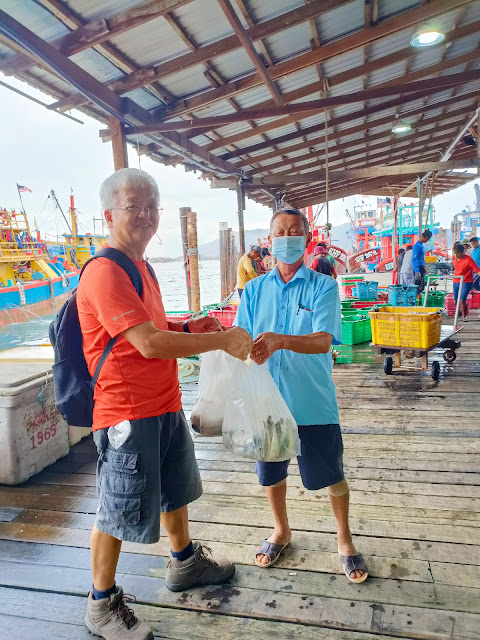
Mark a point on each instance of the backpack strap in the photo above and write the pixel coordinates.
(132, 271)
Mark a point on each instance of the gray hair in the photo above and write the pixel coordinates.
(293, 212)
(121, 179)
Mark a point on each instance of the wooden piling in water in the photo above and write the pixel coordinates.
(183, 227)
(224, 260)
(192, 251)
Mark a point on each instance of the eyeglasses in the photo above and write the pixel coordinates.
(136, 209)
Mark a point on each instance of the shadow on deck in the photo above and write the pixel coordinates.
(412, 456)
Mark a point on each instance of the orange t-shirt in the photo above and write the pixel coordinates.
(129, 386)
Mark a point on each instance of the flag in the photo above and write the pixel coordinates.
(22, 189)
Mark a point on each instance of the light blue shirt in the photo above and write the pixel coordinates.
(418, 256)
(476, 256)
(307, 304)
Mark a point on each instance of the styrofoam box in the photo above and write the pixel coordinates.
(33, 434)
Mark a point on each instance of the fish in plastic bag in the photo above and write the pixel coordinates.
(213, 384)
(258, 423)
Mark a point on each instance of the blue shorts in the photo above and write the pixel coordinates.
(153, 471)
(466, 288)
(320, 463)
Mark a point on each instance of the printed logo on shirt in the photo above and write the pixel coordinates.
(123, 314)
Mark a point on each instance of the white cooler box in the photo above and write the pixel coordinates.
(33, 434)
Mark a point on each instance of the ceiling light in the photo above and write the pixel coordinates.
(427, 38)
(402, 127)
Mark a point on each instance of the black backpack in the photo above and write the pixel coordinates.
(72, 382)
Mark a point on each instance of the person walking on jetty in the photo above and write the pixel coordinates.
(476, 258)
(418, 260)
(463, 266)
(147, 469)
(245, 269)
(407, 275)
(293, 314)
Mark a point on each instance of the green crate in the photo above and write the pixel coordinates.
(354, 329)
(346, 313)
(435, 298)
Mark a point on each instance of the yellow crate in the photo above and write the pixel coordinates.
(409, 327)
(430, 258)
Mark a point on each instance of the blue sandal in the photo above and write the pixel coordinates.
(354, 563)
(270, 549)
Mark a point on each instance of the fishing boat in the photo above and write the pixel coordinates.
(367, 217)
(36, 277)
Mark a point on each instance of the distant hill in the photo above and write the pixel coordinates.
(211, 250)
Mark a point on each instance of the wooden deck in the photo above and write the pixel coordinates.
(412, 454)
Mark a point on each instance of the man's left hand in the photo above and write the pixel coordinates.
(264, 345)
(204, 325)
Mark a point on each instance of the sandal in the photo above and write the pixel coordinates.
(354, 563)
(270, 549)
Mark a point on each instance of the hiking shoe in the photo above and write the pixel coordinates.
(110, 618)
(199, 569)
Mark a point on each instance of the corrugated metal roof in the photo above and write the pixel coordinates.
(203, 21)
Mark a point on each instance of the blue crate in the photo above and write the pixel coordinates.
(402, 295)
(366, 290)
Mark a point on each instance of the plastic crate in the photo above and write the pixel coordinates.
(409, 327)
(225, 315)
(178, 316)
(402, 295)
(346, 304)
(435, 298)
(366, 304)
(366, 290)
(475, 300)
(356, 329)
(451, 305)
(349, 283)
(346, 313)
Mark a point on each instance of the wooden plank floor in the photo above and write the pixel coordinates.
(412, 456)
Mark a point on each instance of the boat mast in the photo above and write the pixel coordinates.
(73, 218)
(54, 196)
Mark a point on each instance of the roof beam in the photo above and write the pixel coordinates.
(416, 88)
(370, 172)
(247, 44)
(97, 31)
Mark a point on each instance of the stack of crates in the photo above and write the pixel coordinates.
(400, 295)
(348, 284)
(366, 290)
(475, 300)
(408, 327)
(451, 305)
(226, 314)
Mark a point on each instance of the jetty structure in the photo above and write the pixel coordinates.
(286, 102)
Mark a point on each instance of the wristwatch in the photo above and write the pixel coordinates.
(185, 328)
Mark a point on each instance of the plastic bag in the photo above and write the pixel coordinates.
(258, 424)
(216, 372)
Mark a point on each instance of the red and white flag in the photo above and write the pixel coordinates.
(22, 189)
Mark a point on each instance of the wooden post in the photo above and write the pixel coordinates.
(224, 260)
(233, 257)
(192, 249)
(119, 144)
(183, 227)
(241, 209)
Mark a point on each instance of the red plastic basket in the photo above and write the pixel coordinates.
(364, 304)
(475, 300)
(180, 317)
(226, 315)
(450, 304)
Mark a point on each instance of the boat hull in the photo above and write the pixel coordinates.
(40, 298)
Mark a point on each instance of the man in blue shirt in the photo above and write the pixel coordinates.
(293, 313)
(418, 260)
(476, 258)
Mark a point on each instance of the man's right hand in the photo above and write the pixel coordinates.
(238, 343)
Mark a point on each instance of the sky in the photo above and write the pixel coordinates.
(43, 150)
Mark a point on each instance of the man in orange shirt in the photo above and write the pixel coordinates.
(147, 469)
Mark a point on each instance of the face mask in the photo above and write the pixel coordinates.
(288, 249)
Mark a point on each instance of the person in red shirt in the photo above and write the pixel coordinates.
(147, 469)
(464, 266)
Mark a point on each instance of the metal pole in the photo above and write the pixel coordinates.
(457, 308)
(224, 260)
(241, 209)
(326, 165)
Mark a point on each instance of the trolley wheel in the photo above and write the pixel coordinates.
(435, 370)
(388, 365)
(450, 355)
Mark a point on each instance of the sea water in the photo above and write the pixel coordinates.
(171, 277)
